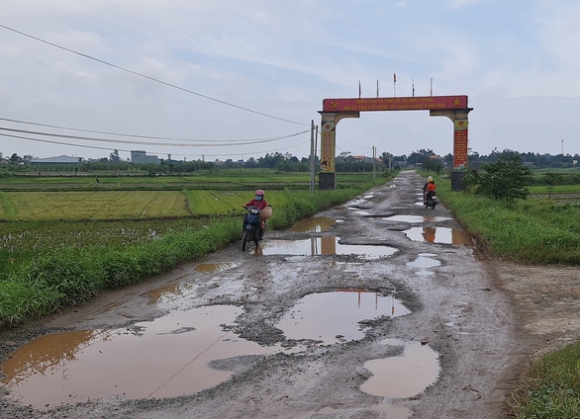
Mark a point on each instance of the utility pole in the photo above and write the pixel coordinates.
(312, 159)
(374, 164)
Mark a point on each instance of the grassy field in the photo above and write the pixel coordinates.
(61, 245)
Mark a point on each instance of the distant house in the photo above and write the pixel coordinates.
(56, 160)
(142, 157)
(355, 159)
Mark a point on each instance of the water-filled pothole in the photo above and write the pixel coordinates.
(314, 225)
(334, 317)
(440, 235)
(402, 376)
(163, 358)
(328, 245)
(171, 293)
(212, 268)
(425, 261)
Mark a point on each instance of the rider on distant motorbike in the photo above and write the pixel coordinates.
(261, 203)
(425, 186)
(429, 188)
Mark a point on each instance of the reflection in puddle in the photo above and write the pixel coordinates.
(416, 218)
(424, 262)
(440, 235)
(334, 316)
(163, 358)
(324, 246)
(313, 225)
(212, 268)
(402, 376)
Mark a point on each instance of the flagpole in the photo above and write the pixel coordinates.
(394, 85)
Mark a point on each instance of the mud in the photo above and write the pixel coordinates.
(414, 328)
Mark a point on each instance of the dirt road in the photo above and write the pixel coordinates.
(378, 309)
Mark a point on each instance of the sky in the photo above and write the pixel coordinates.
(230, 79)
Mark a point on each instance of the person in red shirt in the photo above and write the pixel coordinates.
(261, 203)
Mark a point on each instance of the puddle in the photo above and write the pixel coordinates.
(164, 358)
(212, 268)
(440, 235)
(171, 293)
(416, 219)
(402, 376)
(424, 262)
(314, 225)
(324, 246)
(334, 317)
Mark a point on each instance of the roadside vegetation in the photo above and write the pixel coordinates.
(61, 248)
(500, 209)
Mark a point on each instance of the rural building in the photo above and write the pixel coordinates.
(142, 157)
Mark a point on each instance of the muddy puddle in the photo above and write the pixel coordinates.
(314, 225)
(440, 235)
(328, 245)
(163, 358)
(402, 376)
(334, 317)
(424, 262)
(171, 293)
(212, 268)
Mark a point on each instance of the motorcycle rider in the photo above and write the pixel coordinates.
(425, 186)
(261, 203)
(430, 190)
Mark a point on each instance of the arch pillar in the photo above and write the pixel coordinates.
(459, 117)
(327, 174)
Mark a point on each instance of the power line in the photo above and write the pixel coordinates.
(129, 135)
(158, 152)
(149, 77)
(149, 143)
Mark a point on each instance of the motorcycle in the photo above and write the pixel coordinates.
(431, 200)
(252, 228)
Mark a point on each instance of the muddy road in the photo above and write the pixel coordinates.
(376, 309)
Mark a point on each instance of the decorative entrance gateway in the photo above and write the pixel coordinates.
(453, 107)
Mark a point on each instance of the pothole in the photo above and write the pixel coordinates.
(402, 376)
(212, 268)
(328, 245)
(171, 293)
(335, 317)
(314, 225)
(424, 261)
(440, 235)
(164, 358)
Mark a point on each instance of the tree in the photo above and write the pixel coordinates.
(114, 156)
(504, 180)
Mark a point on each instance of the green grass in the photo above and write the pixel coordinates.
(552, 387)
(532, 231)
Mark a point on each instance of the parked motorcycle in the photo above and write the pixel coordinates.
(431, 200)
(251, 227)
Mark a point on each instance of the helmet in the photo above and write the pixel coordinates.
(259, 192)
(430, 178)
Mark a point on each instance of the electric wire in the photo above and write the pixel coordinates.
(129, 135)
(231, 143)
(158, 152)
(149, 77)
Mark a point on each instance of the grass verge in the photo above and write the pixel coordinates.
(532, 231)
